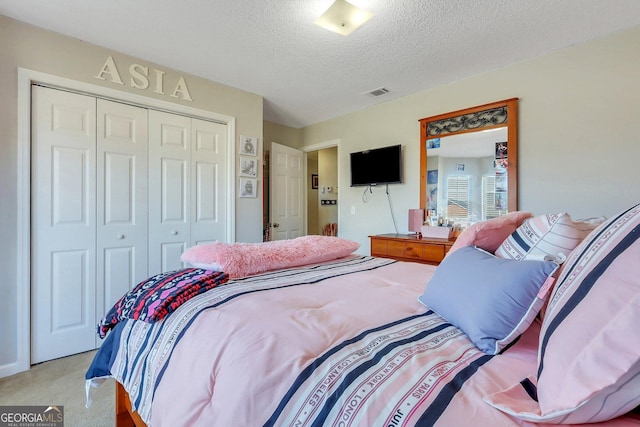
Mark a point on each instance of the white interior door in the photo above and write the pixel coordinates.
(63, 308)
(286, 192)
(169, 190)
(122, 139)
(208, 173)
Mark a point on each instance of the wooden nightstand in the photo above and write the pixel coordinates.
(408, 247)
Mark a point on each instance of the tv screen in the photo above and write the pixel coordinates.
(377, 166)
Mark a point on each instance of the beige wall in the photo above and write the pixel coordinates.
(285, 135)
(35, 49)
(579, 134)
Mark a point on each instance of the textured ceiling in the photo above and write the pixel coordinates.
(307, 74)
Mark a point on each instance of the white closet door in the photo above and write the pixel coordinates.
(208, 173)
(122, 139)
(63, 307)
(169, 190)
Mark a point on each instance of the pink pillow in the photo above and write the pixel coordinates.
(245, 259)
(490, 234)
(589, 352)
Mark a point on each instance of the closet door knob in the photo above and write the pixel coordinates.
(174, 232)
(120, 236)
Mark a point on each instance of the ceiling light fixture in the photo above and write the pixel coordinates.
(343, 18)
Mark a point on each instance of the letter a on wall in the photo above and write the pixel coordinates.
(110, 69)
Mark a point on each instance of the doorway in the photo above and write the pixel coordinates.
(322, 191)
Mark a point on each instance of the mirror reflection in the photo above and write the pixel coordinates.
(467, 176)
(468, 164)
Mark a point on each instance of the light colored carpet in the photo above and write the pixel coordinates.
(61, 382)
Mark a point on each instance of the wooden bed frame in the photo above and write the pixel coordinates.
(125, 417)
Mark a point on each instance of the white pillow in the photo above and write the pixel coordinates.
(553, 235)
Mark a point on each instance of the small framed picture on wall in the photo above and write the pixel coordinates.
(501, 150)
(432, 176)
(248, 187)
(248, 145)
(248, 167)
(314, 181)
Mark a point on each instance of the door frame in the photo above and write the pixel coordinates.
(315, 147)
(26, 78)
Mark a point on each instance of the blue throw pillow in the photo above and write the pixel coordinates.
(492, 300)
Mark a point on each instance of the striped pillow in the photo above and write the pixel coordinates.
(589, 352)
(554, 235)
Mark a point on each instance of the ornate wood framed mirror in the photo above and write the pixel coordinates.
(469, 162)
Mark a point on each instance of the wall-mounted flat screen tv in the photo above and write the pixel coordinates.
(377, 166)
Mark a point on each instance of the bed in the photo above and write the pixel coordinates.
(352, 341)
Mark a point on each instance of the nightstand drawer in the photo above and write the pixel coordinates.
(379, 247)
(405, 250)
(433, 253)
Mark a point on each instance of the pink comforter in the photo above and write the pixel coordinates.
(281, 357)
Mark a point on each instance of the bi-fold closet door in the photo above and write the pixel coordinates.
(187, 187)
(118, 192)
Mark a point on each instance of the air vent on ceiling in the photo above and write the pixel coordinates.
(378, 92)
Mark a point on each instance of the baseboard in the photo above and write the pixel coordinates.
(12, 369)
